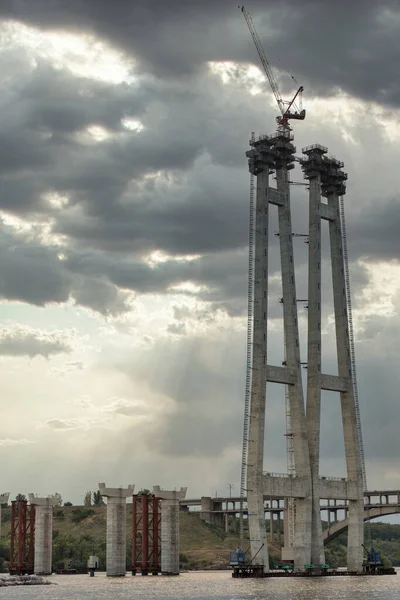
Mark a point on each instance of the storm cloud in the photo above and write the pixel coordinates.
(329, 45)
(124, 196)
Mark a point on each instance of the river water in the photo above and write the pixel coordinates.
(208, 586)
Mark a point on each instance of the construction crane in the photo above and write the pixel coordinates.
(289, 109)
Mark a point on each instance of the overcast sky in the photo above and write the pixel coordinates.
(124, 224)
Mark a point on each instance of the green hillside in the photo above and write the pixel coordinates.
(79, 531)
(384, 537)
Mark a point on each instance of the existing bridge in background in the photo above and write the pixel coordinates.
(223, 510)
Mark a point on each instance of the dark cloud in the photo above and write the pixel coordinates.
(34, 273)
(30, 272)
(328, 45)
(100, 295)
(186, 221)
(180, 186)
(60, 102)
(375, 234)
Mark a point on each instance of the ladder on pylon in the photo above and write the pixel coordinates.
(352, 355)
(291, 505)
(351, 339)
(249, 353)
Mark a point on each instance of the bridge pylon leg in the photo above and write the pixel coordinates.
(327, 179)
(269, 154)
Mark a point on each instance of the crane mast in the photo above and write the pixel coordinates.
(289, 110)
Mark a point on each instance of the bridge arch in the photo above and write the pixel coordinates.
(373, 513)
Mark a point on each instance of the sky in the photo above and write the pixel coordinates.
(124, 194)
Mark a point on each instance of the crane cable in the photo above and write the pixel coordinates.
(264, 61)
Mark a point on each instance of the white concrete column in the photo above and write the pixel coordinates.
(116, 528)
(205, 509)
(349, 417)
(169, 528)
(226, 522)
(3, 500)
(43, 534)
(314, 358)
(255, 450)
(314, 167)
(302, 541)
(287, 549)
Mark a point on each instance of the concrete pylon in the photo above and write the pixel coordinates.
(116, 528)
(3, 500)
(261, 160)
(328, 180)
(169, 528)
(43, 533)
(302, 531)
(276, 153)
(313, 168)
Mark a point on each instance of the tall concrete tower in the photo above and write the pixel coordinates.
(327, 180)
(269, 154)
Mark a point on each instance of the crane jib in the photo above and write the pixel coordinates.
(286, 108)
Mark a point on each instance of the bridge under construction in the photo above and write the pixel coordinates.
(302, 486)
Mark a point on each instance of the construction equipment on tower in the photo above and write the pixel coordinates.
(289, 109)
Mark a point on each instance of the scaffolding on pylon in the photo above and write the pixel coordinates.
(291, 468)
(249, 354)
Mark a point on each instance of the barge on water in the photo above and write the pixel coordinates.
(257, 571)
(241, 569)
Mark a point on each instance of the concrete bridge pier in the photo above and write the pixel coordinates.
(43, 534)
(116, 528)
(3, 500)
(169, 528)
(206, 509)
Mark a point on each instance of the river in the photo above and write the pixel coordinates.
(208, 586)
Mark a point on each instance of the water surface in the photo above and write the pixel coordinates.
(208, 586)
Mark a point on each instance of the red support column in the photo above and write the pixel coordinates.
(14, 537)
(146, 531)
(22, 538)
(30, 532)
(145, 534)
(21, 535)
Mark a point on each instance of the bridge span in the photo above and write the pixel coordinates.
(370, 512)
(223, 510)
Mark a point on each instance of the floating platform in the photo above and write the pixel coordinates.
(256, 571)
